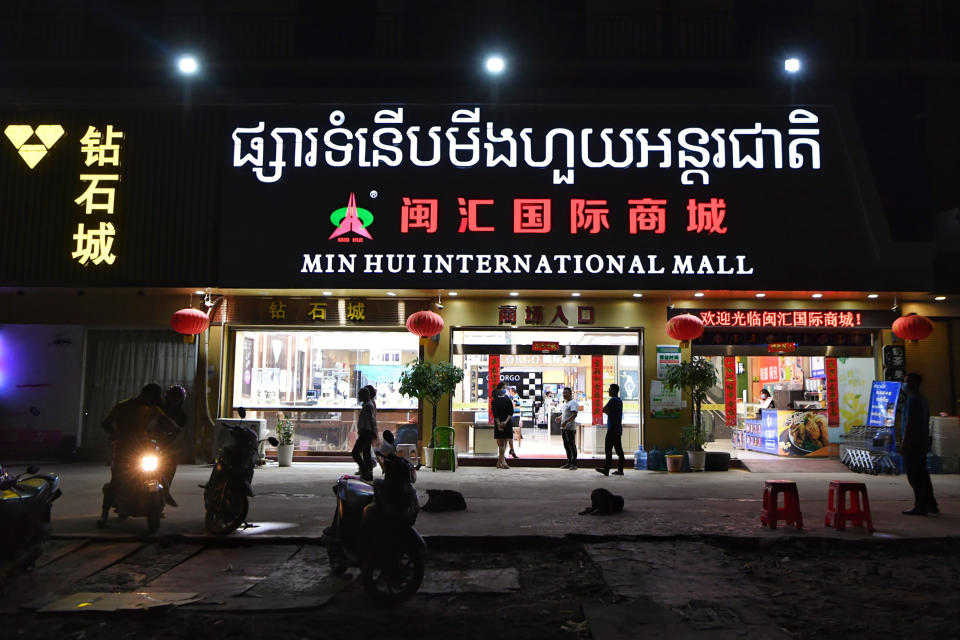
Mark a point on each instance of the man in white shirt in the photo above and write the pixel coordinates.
(568, 428)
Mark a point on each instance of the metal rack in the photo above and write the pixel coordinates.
(869, 449)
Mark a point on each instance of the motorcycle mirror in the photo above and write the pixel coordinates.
(32, 469)
(273, 441)
(241, 412)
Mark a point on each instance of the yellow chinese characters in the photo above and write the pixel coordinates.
(94, 244)
(356, 311)
(318, 311)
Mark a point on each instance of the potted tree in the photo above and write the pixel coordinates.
(696, 375)
(285, 436)
(428, 381)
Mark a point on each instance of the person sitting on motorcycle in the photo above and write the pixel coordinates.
(131, 424)
(173, 406)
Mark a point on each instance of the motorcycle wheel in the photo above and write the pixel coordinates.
(229, 512)
(153, 514)
(392, 578)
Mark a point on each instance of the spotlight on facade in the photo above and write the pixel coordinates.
(495, 65)
(188, 65)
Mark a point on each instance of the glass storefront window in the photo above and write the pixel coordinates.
(320, 369)
(312, 378)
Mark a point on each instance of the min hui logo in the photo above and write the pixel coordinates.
(351, 219)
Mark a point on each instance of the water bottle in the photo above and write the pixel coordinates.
(656, 461)
(639, 459)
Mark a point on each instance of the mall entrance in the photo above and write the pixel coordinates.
(536, 365)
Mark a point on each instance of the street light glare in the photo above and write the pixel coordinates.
(495, 64)
(791, 65)
(188, 65)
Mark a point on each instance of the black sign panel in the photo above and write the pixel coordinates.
(371, 196)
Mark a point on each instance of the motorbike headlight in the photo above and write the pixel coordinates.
(149, 463)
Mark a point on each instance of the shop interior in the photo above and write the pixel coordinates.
(312, 377)
(793, 419)
(536, 379)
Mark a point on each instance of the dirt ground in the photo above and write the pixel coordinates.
(807, 588)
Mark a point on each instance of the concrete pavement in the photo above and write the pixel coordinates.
(298, 502)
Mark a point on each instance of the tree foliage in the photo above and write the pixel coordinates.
(428, 381)
(696, 376)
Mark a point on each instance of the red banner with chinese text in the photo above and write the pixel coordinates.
(730, 389)
(596, 388)
(493, 378)
(833, 393)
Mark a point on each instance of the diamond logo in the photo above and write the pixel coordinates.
(32, 153)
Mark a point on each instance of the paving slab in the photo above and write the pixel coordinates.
(304, 581)
(472, 581)
(90, 602)
(224, 575)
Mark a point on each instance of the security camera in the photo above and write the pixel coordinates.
(895, 308)
(439, 306)
(670, 305)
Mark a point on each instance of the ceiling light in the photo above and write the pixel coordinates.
(761, 295)
(817, 295)
(199, 293)
(698, 294)
(452, 294)
(328, 293)
(514, 294)
(791, 65)
(575, 294)
(391, 293)
(638, 295)
(873, 296)
(940, 298)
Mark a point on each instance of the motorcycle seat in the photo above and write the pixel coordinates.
(358, 494)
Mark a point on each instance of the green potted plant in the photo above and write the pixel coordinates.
(696, 376)
(428, 381)
(285, 436)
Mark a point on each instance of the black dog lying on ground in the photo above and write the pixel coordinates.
(603, 503)
(444, 500)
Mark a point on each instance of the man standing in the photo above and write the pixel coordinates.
(568, 428)
(914, 447)
(173, 401)
(614, 411)
(502, 408)
(366, 434)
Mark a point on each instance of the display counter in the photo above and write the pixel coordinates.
(326, 430)
(786, 432)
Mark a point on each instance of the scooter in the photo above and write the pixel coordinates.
(226, 494)
(373, 529)
(140, 490)
(25, 516)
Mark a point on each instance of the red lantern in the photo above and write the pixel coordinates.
(685, 327)
(425, 324)
(912, 327)
(189, 321)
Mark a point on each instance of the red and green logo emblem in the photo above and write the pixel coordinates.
(351, 219)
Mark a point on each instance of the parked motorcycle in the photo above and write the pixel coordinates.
(226, 494)
(25, 516)
(139, 487)
(373, 529)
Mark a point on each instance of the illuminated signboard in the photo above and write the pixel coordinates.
(790, 318)
(551, 196)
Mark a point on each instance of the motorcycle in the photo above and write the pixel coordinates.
(226, 494)
(141, 488)
(25, 516)
(373, 529)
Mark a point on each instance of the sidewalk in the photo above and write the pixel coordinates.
(298, 502)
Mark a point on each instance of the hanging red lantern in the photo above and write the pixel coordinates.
(425, 324)
(912, 327)
(189, 321)
(685, 327)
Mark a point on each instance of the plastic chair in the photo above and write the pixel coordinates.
(840, 509)
(444, 455)
(772, 511)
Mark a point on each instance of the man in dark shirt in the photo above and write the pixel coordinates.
(614, 411)
(502, 408)
(914, 447)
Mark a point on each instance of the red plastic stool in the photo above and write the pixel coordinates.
(772, 511)
(840, 510)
